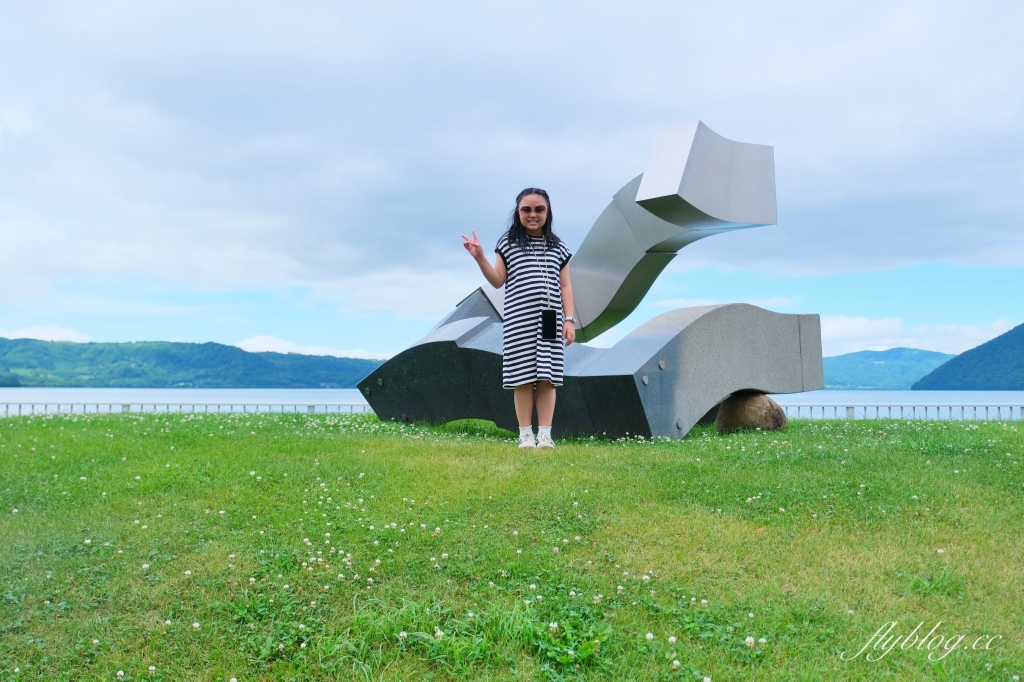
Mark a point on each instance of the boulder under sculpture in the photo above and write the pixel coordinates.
(664, 376)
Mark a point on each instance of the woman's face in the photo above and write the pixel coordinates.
(533, 213)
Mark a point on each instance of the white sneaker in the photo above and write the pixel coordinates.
(527, 441)
(544, 441)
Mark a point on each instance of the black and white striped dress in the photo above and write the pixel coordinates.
(527, 358)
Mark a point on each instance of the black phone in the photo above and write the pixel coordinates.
(548, 324)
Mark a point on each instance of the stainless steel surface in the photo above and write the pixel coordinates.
(696, 184)
(708, 353)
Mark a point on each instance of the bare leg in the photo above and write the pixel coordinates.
(545, 403)
(524, 404)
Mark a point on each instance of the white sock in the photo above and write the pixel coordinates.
(544, 431)
(525, 431)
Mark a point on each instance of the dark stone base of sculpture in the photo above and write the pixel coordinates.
(748, 411)
(658, 381)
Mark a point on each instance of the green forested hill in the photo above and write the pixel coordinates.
(895, 369)
(163, 364)
(997, 365)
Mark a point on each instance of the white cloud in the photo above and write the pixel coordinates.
(175, 142)
(841, 334)
(404, 292)
(264, 344)
(47, 333)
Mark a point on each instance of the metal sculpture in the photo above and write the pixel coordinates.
(666, 375)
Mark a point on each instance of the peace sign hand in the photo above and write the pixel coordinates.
(473, 246)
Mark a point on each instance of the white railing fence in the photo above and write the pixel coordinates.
(973, 412)
(39, 408)
(930, 411)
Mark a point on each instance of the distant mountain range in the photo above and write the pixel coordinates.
(895, 369)
(164, 364)
(997, 365)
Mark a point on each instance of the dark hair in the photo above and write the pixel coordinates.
(517, 231)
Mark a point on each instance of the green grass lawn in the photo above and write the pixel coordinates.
(316, 547)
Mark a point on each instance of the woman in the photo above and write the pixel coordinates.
(533, 264)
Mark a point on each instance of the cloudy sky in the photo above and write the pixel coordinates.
(295, 176)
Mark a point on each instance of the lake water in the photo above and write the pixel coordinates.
(310, 396)
(181, 395)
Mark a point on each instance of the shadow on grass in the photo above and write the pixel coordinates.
(473, 427)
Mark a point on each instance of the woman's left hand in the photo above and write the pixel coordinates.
(568, 332)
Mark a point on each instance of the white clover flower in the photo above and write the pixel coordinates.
(438, 634)
(167, 622)
(145, 566)
(302, 646)
(749, 641)
(120, 673)
(444, 555)
(533, 586)
(152, 669)
(707, 678)
(675, 664)
(646, 578)
(672, 639)
(578, 538)
(196, 625)
(750, 615)
(188, 572)
(553, 627)
(704, 601)
(620, 588)
(555, 550)
(762, 641)
(301, 626)
(88, 542)
(650, 636)
(403, 634)
(252, 473)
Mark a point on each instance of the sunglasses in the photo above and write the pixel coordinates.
(539, 210)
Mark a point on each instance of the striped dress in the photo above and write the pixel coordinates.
(526, 357)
